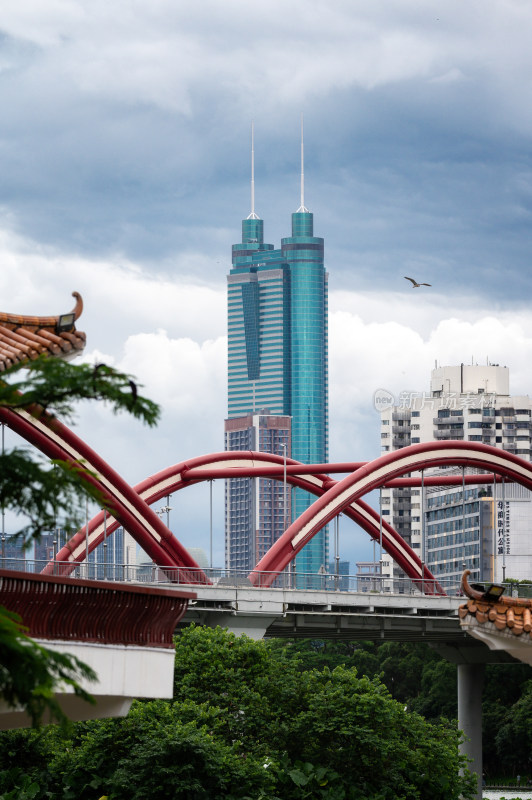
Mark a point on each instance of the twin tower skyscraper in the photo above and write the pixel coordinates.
(277, 380)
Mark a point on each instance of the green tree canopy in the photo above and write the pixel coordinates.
(416, 675)
(334, 720)
(247, 723)
(41, 493)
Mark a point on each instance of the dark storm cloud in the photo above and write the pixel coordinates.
(128, 132)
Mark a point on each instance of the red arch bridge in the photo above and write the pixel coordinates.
(131, 506)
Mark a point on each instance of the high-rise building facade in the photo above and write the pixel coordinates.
(453, 528)
(487, 528)
(12, 553)
(277, 360)
(256, 508)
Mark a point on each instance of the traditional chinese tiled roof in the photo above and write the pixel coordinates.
(513, 613)
(503, 623)
(24, 338)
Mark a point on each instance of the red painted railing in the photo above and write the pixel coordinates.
(64, 609)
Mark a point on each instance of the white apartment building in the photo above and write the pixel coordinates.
(487, 529)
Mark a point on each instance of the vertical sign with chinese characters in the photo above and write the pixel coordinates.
(503, 527)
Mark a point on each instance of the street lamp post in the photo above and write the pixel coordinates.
(87, 536)
(284, 486)
(160, 511)
(54, 545)
(283, 445)
(210, 524)
(165, 510)
(380, 538)
(337, 552)
(422, 531)
(463, 514)
(168, 509)
(105, 544)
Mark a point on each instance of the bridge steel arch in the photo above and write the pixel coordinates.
(131, 510)
(258, 464)
(58, 442)
(376, 474)
(224, 465)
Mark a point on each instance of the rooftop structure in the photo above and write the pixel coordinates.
(25, 338)
(503, 623)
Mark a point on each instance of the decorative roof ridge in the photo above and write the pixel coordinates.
(502, 623)
(21, 319)
(23, 337)
(476, 594)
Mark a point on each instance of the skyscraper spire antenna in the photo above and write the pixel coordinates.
(253, 215)
(302, 208)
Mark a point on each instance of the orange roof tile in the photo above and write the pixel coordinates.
(23, 338)
(508, 615)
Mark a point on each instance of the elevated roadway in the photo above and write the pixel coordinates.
(351, 616)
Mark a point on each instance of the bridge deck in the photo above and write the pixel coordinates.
(348, 616)
(326, 614)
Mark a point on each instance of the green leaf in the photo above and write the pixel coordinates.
(299, 777)
(41, 493)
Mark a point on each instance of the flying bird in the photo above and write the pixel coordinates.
(415, 284)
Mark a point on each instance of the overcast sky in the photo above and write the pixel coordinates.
(125, 173)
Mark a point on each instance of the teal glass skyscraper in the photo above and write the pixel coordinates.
(277, 364)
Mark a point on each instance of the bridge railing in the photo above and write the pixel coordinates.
(150, 573)
(53, 607)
